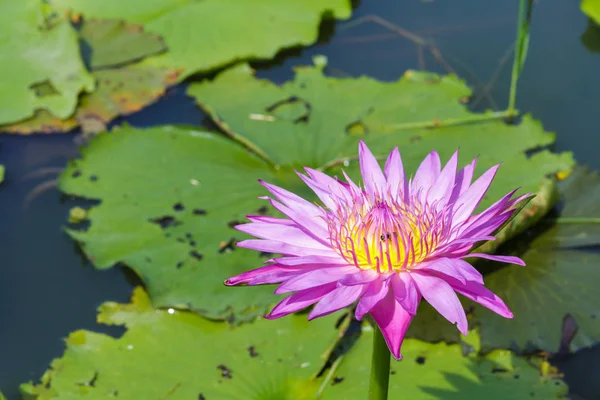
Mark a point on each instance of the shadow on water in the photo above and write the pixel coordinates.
(591, 37)
(46, 291)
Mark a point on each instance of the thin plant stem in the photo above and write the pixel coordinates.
(577, 220)
(525, 8)
(380, 367)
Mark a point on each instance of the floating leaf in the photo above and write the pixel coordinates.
(115, 43)
(431, 371)
(179, 355)
(592, 9)
(205, 35)
(29, 35)
(170, 198)
(1, 173)
(313, 121)
(120, 91)
(271, 121)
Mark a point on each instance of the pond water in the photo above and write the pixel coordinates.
(47, 289)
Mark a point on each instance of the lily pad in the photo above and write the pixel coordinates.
(431, 371)
(312, 121)
(179, 355)
(318, 141)
(592, 9)
(560, 278)
(115, 43)
(120, 91)
(206, 35)
(30, 34)
(170, 198)
(1, 173)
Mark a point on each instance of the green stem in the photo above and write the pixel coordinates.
(525, 8)
(380, 367)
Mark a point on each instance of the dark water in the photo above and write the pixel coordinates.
(47, 290)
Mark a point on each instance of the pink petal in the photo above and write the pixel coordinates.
(321, 191)
(270, 220)
(270, 246)
(313, 224)
(332, 184)
(442, 188)
(462, 181)
(406, 292)
(427, 173)
(499, 207)
(483, 296)
(375, 292)
(456, 268)
(284, 234)
(441, 296)
(393, 321)
(359, 278)
(370, 170)
(330, 260)
(504, 259)
(394, 173)
(468, 201)
(337, 299)
(247, 276)
(292, 200)
(317, 277)
(299, 301)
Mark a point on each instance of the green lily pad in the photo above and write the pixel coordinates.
(320, 141)
(205, 35)
(115, 43)
(312, 121)
(170, 198)
(431, 371)
(179, 355)
(124, 86)
(559, 279)
(30, 34)
(2, 171)
(592, 9)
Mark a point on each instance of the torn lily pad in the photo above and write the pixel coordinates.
(31, 33)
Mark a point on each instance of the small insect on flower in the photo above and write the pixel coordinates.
(386, 245)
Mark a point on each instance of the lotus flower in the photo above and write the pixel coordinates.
(386, 245)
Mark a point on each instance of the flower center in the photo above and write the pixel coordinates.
(385, 237)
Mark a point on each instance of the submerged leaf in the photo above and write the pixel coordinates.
(39, 61)
(205, 35)
(179, 355)
(115, 43)
(431, 371)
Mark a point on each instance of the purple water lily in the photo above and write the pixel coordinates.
(387, 245)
